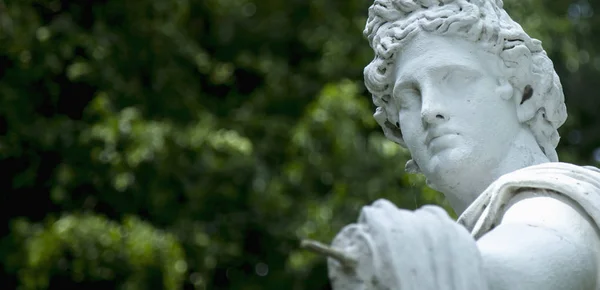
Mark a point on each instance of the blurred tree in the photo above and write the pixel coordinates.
(191, 144)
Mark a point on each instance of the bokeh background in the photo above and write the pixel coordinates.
(190, 144)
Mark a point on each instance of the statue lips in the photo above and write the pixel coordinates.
(435, 133)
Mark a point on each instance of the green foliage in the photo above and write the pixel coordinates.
(191, 144)
(89, 247)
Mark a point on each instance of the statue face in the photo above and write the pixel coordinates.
(457, 118)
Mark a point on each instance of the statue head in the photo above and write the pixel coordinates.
(521, 68)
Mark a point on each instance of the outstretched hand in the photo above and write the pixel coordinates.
(408, 250)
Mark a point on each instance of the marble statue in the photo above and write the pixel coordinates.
(477, 103)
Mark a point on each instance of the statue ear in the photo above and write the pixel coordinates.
(527, 104)
(504, 89)
(527, 93)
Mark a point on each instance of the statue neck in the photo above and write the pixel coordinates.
(524, 152)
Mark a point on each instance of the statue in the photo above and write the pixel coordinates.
(477, 103)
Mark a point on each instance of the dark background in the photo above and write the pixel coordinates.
(190, 144)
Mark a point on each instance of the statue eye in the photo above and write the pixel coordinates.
(409, 97)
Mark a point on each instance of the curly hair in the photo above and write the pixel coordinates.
(393, 23)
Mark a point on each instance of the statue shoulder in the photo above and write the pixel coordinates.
(538, 224)
(555, 211)
(562, 196)
(545, 189)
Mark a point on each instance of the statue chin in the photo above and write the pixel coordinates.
(451, 166)
(461, 174)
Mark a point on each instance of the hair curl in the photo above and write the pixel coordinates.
(392, 24)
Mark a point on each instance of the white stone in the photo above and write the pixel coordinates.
(477, 103)
(401, 249)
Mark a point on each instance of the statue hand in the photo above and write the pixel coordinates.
(408, 250)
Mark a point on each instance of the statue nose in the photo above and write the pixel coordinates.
(431, 116)
(433, 107)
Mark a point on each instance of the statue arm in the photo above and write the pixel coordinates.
(542, 242)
